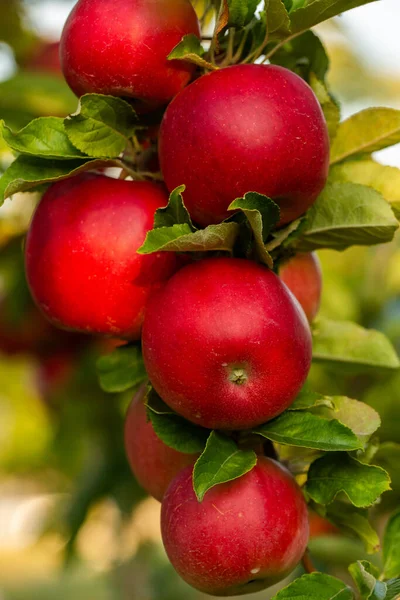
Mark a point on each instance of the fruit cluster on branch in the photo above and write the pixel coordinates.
(186, 198)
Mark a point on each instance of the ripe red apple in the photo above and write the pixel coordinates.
(153, 463)
(81, 261)
(120, 47)
(246, 128)
(226, 344)
(303, 276)
(246, 535)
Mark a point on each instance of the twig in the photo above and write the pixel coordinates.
(307, 562)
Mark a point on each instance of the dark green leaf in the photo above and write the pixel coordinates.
(345, 343)
(28, 172)
(309, 431)
(121, 370)
(316, 586)
(262, 214)
(240, 12)
(180, 238)
(393, 589)
(365, 132)
(317, 11)
(365, 576)
(278, 22)
(347, 214)
(220, 462)
(174, 213)
(102, 126)
(337, 472)
(174, 430)
(44, 137)
(391, 547)
(304, 55)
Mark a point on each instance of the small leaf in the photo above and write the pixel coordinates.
(262, 214)
(317, 11)
(366, 576)
(175, 212)
(354, 520)
(121, 370)
(28, 172)
(391, 547)
(44, 137)
(174, 430)
(393, 589)
(347, 214)
(180, 238)
(309, 431)
(102, 126)
(345, 343)
(278, 22)
(191, 50)
(240, 12)
(315, 586)
(308, 399)
(330, 107)
(337, 472)
(383, 179)
(220, 462)
(368, 131)
(362, 419)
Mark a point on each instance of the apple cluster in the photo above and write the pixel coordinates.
(226, 341)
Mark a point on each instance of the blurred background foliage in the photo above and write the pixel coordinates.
(73, 522)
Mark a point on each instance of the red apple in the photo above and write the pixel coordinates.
(246, 535)
(303, 276)
(81, 261)
(320, 527)
(120, 47)
(226, 344)
(153, 463)
(246, 128)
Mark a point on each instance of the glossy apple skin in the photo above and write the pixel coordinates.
(244, 536)
(303, 276)
(247, 128)
(81, 262)
(120, 47)
(153, 463)
(220, 320)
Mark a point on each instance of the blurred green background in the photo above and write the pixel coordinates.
(73, 523)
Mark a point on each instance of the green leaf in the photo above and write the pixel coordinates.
(316, 586)
(335, 473)
(191, 50)
(220, 462)
(391, 547)
(175, 212)
(305, 55)
(317, 11)
(121, 370)
(309, 431)
(28, 172)
(343, 343)
(368, 131)
(308, 399)
(240, 12)
(44, 137)
(102, 126)
(262, 214)
(355, 521)
(277, 17)
(330, 107)
(362, 419)
(388, 457)
(180, 238)
(393, 589)
(383, 179)
(365, 576)
(174, 430)
(347, 214)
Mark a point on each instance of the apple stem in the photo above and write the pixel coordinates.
(307, 562)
